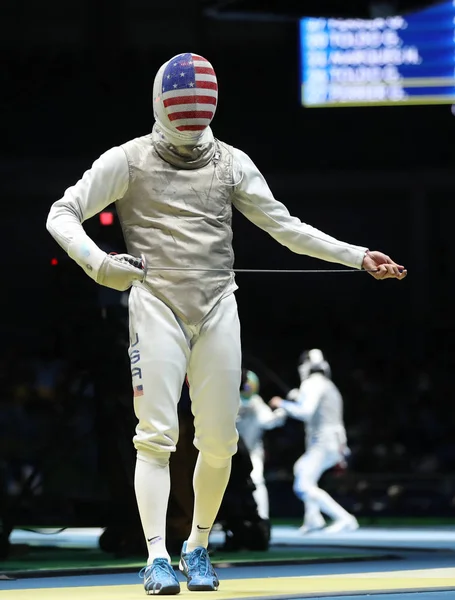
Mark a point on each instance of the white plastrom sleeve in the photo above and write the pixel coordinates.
(103, 184)
(307, 401)
(254, 199)
(268, 418)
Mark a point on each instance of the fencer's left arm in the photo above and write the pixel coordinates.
(254, 199)
(307, 401)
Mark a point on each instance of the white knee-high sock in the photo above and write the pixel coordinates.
(261, 497)
(209, 486)
(313, 516)
(328, 505)
(152, 485)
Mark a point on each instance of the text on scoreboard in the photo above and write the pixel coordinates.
(396, 60)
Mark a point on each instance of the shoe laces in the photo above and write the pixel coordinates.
(199, 559)
(160, 566)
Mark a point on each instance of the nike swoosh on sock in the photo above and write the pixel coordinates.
(153, 539)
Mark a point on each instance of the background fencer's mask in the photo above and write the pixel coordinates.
(249, 385)
(313, 361)
(185, 96)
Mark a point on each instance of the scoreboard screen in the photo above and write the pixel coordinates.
(399, 60)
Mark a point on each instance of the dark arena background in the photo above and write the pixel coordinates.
(362, 153)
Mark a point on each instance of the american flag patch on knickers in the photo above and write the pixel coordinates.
(138, 391)
(190, 92)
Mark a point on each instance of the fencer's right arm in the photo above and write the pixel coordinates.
(268, 418)
(106, 182)
(306, 401)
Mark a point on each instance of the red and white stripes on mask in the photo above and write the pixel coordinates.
(188, 94)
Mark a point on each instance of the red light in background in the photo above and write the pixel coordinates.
(54, 262)
(106, 218)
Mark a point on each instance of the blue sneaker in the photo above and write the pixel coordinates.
(198, 570)
(160, 578)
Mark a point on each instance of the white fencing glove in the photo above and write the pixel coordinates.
(116, 271)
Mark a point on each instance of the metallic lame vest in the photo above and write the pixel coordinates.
(327, 420)
(180, 217)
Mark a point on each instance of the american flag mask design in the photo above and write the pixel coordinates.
(189, 93)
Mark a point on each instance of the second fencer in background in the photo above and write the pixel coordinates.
(318, 403)
(255, 416)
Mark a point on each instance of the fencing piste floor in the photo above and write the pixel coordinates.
(393, 563)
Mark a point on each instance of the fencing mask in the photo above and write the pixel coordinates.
(313, 361)
(249, 385)
(185, 96)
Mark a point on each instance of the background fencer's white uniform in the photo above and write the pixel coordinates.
(255, 416)
(174, 190)
(319, 404)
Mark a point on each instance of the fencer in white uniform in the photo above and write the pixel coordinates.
(174, 190)
(255, 417)
(318, 403)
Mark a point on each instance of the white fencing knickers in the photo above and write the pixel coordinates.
(163, 350)
(307, 471)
